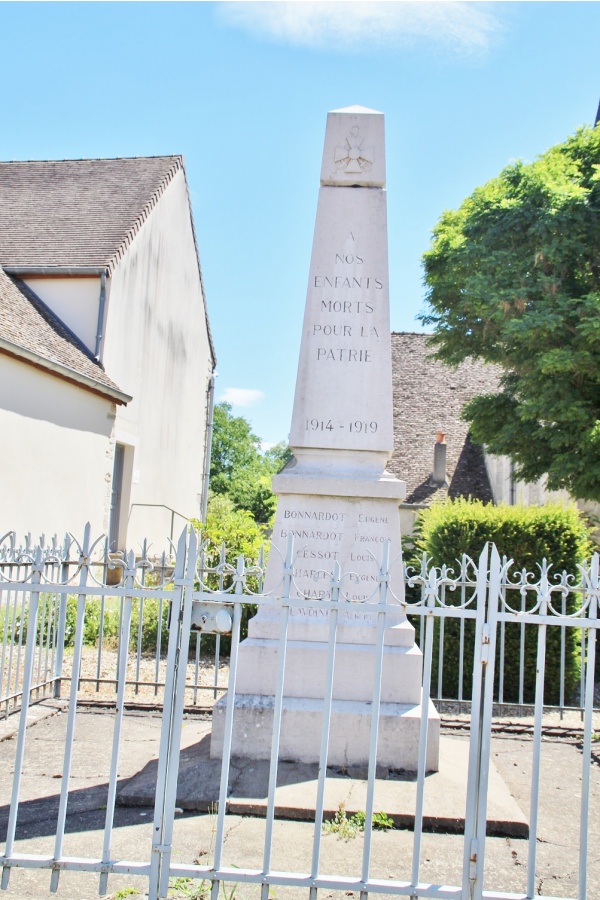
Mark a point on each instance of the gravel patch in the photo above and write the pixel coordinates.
(145, 678)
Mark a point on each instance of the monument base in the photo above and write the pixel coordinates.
(349, 736)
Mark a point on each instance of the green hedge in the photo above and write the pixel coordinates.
(526, 534)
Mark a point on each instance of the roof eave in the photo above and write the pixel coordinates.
(208, 328)
(63, 371)
(85, 271)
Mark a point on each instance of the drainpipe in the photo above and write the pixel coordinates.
(210, 406)
(101, 306)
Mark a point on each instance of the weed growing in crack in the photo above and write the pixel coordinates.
(347, 827)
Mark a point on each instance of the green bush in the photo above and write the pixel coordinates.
(91, 622)
(48, 621)
(150, 620)
(526, 534)
(237, 530)
(110, 623)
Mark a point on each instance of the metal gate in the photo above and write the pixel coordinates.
(478, 597)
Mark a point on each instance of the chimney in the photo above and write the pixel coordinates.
(438, 476)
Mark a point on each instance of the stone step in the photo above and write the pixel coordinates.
(306, 670)
(349, 737)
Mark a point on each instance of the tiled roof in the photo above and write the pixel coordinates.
(30, 330)
(77, 212)
(429, 397)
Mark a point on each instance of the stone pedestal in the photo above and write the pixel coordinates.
(336, 497)
(350, 734)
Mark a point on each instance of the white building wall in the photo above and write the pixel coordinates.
(156, 348)
(499, 473)
(56, 453)
(74, 300)
(522, 493)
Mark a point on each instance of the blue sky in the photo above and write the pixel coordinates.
(242, 91)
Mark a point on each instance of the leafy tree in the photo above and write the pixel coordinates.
(278, 456)
(242, 536)
(239, 469)
(513, 277)
(235, 448)
(235, 528)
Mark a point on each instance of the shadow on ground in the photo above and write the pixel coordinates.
(86, 812)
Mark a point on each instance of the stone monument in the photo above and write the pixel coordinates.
(336, 497)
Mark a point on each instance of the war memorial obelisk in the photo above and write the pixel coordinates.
(336, 497)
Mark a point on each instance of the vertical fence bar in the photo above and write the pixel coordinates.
(197, 646)
(227, 741)
(121, 613)
(325, 729)
(228, 724)
(172, 763)
(50, 638)
(221, 568)
(582, 668)
(586, 757)
(138, 658)
(45, 599)
(159, 626)
(461, 655)
(217, 664)
(70, 731)
(563, 641)
(440, 683)
(27, 679)
(4, 595)
(100, 643)
(62, 619)
(277, 715)
(167, 719)
(118, 726)
(477, 701)
(22, 621)
(13, 630)
(384, 580)
(522, 644)
(501, 660)
(489, 662)
(104, 579)
(544, 597)
(427, 644)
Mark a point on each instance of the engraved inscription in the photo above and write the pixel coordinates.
(345, 336)
(341, 281)
(353, 427)
(324, 537)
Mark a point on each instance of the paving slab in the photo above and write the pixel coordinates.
(9, 726)
(295, 798)
(507, 859)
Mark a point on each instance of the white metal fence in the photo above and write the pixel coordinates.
(474, 623)
(451, 683)
(59, 564)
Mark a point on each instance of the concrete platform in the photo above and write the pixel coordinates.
(395, 793)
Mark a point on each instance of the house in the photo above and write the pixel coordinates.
(106, 355)
(433, 451)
